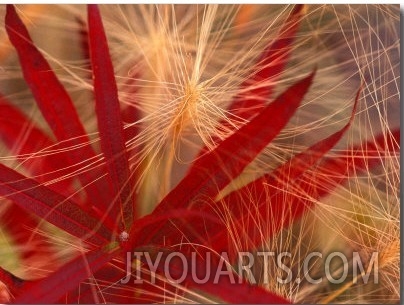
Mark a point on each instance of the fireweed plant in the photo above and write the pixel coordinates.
(201, 130)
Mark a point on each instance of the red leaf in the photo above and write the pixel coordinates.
(45, 87)
(52, 288)
(284, 206)
(129, 113)
(109, 119)
(23, 137)
(215, 170)
(54, 102)
(255, 91)
(284, 175)
(51, 206)
(334, 171)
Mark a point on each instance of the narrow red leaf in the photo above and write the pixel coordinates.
(51, 96)
(23, 137)
(54, 103)
(255, 91)
(284, 175)
(285, 206)
(52, 288)
(109, 119)
(215, 170)
(129, 113)
(51, 206)
(85, 48)
(334, 171)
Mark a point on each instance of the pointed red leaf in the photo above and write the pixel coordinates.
(129, 113)
(214, 171)
(23, 137)
(255, 91)
(284, 205)
(85, 48)
(52, 288)
(50, 206)
(54, 103)
(334, 171)
(285, 174)
(109, 119)
(51, 96)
